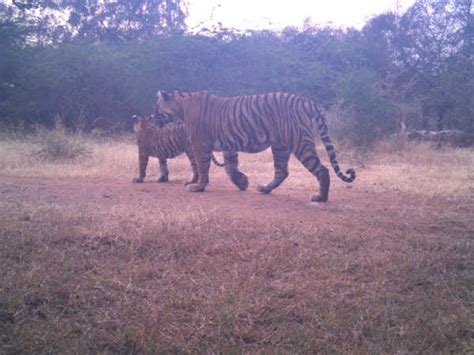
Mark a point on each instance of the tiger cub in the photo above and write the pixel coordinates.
(162, 143)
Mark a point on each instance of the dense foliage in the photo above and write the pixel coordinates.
(94, 63)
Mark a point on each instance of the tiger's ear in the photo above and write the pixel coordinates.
(163, 96)
(136, 123)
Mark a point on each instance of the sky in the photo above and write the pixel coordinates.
(277, 14)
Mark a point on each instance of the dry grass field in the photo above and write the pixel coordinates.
(93, 263)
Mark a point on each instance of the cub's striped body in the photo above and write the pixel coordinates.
(162, 143)
(281, 121)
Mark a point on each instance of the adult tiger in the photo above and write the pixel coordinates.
(281, 121)
(162, 143)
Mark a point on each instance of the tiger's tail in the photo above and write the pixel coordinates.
(215, 161)
(350, 174)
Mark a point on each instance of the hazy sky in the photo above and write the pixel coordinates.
(276, 14)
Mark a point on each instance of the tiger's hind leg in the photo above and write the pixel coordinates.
(231, 160)
(163, 170)
(306, 153)
(281, 157)
(203, 161)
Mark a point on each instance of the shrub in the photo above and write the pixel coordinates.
(58, 145)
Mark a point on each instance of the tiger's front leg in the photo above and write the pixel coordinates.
(142, 164)
(239, 179)
(163, 170)
(195, 178)
(203, 161)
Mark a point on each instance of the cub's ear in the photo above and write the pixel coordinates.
(136, 123)
(163, 96)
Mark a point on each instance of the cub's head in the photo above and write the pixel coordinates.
(168, 107)
(141, 124)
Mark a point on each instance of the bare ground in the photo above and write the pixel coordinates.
(105, 265)
(284, 205)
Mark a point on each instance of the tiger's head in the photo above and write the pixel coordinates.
(168, 107)
(141, 124)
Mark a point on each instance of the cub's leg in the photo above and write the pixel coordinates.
(163, 170)
(281, 155)
(142, 164)
(239, 179)
(195, 178)
(203, 161)
(306, 153)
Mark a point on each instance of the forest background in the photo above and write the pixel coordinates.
(93, 64)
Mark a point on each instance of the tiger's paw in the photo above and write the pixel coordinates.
(243, 182)
(194, 181)
(240, 180)
(195, 188)
(163, 178)
(264, 189)
(137, 181)
(319, 198)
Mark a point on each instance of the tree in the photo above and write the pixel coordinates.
(125, 19)
(434, 43)
(110, 20)
(394, 83)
